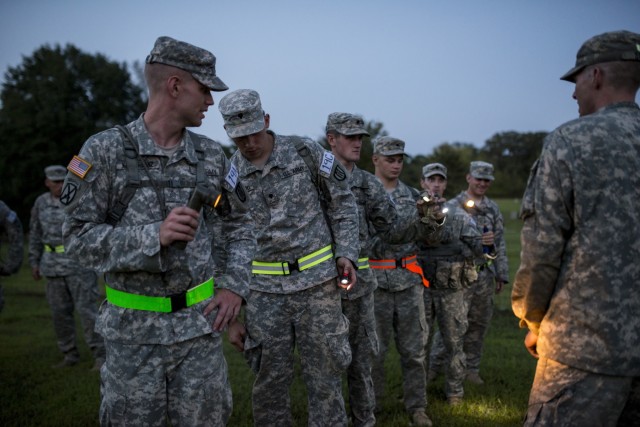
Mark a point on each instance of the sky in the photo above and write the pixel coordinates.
(432, 71)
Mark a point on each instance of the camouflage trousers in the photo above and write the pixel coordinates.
(479, 300)
(566, 396)
(402, 314)
(182, 384)
(364, 346)
(79, 292)
(449, 308)
(312, 321)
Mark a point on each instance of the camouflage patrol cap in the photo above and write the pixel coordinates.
(199, 62)
(606, 47)
(481, 170)
(346, 124)
(242, 113)
(434, 169)
(388, 146)
(55, 172)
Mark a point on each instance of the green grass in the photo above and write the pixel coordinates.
(33, 394)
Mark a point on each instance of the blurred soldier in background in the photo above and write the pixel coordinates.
(11, 228)
(70, 285)
(578, 286)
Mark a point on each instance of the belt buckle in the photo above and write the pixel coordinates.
(293, 266)
(178, 301)
(399, 263)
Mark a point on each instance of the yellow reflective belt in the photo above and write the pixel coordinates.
(284, 268)
(169, 304)
(57, 249)
(363, 263)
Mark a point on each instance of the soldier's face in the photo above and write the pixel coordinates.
(584, 91)
(55, 187)
(195, 99)
(256, 147)
(477, 186)
(388, 167)
(435, 184)
(345, 147)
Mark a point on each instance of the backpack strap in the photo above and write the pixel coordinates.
(133, 176)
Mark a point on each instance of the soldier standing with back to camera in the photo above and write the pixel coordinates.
(70, 285)
(399, 306)
(307, 233)
(126, 197)
(578, 286)
(11, 227)
(450, 269)
(492, 267)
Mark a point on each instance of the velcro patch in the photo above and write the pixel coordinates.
(327, 164)
(79, 167)
(232, 176)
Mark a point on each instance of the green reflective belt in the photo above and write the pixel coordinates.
(363, 263)
(169, 304)
(285, 268)
(57, 249)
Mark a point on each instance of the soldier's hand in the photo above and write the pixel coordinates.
(228, 304)
(346, 269)
(237, 333)
(181, 224)
(35, 273)
(531, 343)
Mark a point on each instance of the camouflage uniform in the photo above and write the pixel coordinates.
(479, 296)
(161, 366)
(450, 269)
(578, 293)
(301, 309)
(10, 226)
(69, 284)
(399, 307)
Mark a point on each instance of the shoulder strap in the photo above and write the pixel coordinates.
(197, 144)
(133, 176)
(305, 153)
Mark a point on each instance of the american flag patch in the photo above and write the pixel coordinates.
(79, 167)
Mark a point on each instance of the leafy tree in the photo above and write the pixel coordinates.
(512, 155)
(51, 103)
(456, 157)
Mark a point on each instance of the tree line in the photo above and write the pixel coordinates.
(59, 96)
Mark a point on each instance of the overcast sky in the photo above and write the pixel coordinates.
(430, 71)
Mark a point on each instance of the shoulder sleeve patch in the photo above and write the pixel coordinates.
(232, 177)
(327, 164)
(79, 167)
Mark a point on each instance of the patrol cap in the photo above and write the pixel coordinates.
(434, 169)
(55, 172)
(606, 47)
(346, 124)
(481, 170)
(242, 113)
(388, 146)
(199, 62)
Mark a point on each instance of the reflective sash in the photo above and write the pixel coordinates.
(169, 304)
(410, 263)
(57, 249)
(363, 263)
(285, 268)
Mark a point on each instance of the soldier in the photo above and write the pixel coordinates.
(579, 295)
(450, 269)
(399, 306)
(492, 267)
(69, 284)
(10, 226)
(307, 234)
(126, 197)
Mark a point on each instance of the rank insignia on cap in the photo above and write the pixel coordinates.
(79, 167)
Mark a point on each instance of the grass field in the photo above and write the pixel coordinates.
(33, 394)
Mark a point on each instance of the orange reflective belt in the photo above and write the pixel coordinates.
(410, 263)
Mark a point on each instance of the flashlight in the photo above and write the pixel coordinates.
(199, 198)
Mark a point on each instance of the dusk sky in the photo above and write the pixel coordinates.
(430, 71)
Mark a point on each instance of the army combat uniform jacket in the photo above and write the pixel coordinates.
(130, 252)
(287, 209)
(578, 285)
